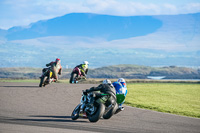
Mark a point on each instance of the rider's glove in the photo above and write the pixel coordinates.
(84, 92)
(92, 88)
(59, 72)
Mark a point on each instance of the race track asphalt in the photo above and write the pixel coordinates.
(25, 107)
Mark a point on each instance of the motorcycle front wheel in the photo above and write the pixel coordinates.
(75, 113)
(73, 78)
(42, 81)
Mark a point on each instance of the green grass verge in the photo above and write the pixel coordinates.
(175, 98)
(29, 80)
(99, 80)
(20, 80)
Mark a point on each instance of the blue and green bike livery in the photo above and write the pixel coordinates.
(95, 106)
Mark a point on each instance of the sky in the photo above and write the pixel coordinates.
(25, 12)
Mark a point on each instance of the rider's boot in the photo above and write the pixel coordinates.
(121, 108)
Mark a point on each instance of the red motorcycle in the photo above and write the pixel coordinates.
(76, 76)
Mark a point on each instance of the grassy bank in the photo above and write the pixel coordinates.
(20, 80)
(175, 98)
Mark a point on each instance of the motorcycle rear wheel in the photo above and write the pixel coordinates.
(109, 114)
(98, 114)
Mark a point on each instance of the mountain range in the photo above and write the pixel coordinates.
(161, 40)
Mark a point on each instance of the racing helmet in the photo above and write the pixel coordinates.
(122, 81)
(107, 81)
(86, 62)
(57, 60)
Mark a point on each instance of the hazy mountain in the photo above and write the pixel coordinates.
(104, 40)
(88, 25)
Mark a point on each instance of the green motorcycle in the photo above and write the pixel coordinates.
(95, 106)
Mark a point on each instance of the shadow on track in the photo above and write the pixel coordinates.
(49, 116)
(21, 86)
(50, 119)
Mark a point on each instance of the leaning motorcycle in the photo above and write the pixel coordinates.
(95, 106)
(92, 105)
(76, 76)
(44, 77)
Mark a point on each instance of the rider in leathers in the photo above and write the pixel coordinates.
(105, 88)
(55, 68)
(83, 68)
(120, 87)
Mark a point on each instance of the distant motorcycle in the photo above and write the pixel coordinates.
(44, 77)
(96, 106)
(76, 76)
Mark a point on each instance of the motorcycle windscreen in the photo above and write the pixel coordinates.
(120, 98)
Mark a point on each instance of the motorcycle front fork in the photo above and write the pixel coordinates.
(82, 108)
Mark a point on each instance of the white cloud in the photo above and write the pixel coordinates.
(192, 7)
(24, 12)
(171, 9)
